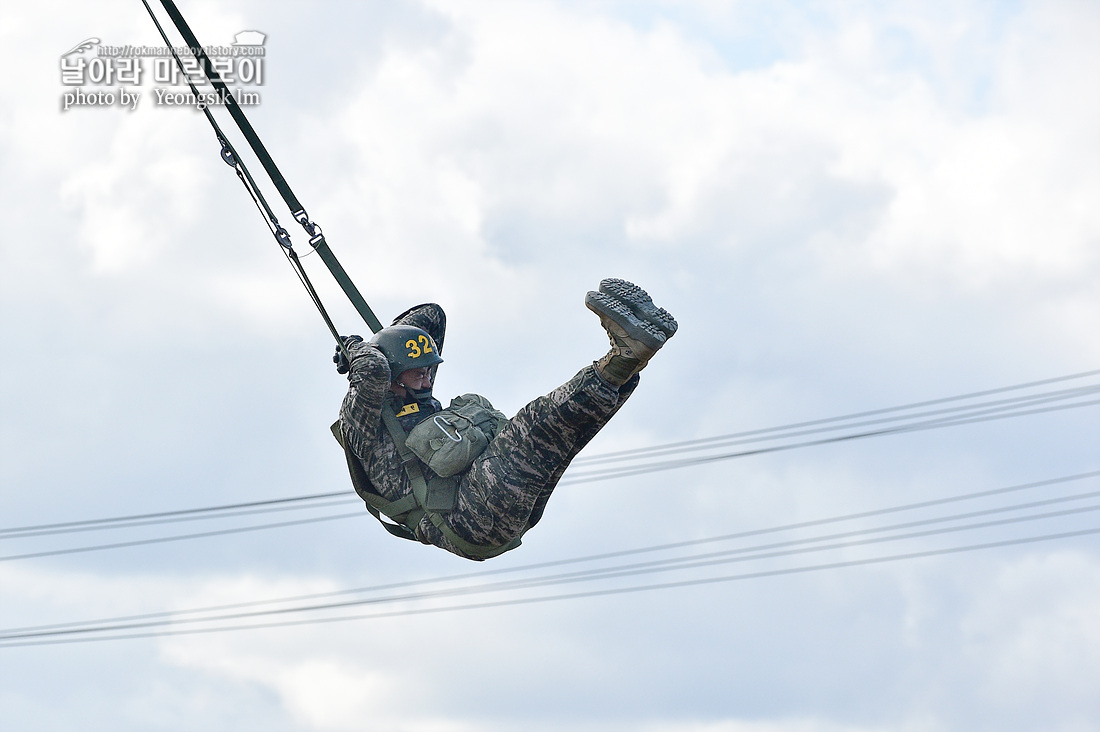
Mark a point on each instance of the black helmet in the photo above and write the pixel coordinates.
(406, 347)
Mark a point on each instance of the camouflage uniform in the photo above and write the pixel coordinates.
(506, 489)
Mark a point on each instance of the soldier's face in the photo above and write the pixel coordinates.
(416, 378)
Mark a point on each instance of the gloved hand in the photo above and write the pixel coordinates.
(341, 361)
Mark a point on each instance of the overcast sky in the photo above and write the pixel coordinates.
(847, 206)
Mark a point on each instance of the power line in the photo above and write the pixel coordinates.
(594, 557)
(707, 443)
(740, 554)
(195, 515)
(652, 450)
(855, 415)
(1023, 405)
(574, 595)
(583, 477)
(1000, 409)
(623, 472)
(165, 514)
(673, 564)
(179, 537)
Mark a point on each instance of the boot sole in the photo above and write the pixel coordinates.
(613, 309)
(640, 303)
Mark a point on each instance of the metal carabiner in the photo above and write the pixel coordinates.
(312, 228)
(227, 154)
(439, 422)
(283, 238)
(317, 235)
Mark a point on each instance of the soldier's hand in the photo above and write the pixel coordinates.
(341, 361)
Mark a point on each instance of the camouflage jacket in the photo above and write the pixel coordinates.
(364, 435)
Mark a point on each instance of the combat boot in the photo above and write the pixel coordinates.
(640, 303)
(634, 339)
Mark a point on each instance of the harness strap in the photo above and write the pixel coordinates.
(399, 530)
(376, 504)
(317, 237)
(411, 464)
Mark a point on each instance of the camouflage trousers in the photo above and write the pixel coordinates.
(506, 489)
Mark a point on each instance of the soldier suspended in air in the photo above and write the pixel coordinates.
(466, 478)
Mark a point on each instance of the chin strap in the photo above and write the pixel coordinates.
(420, 395)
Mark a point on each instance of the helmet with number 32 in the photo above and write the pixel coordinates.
(406, 347)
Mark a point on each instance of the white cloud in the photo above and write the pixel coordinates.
(874, 205)
(1033, 633)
